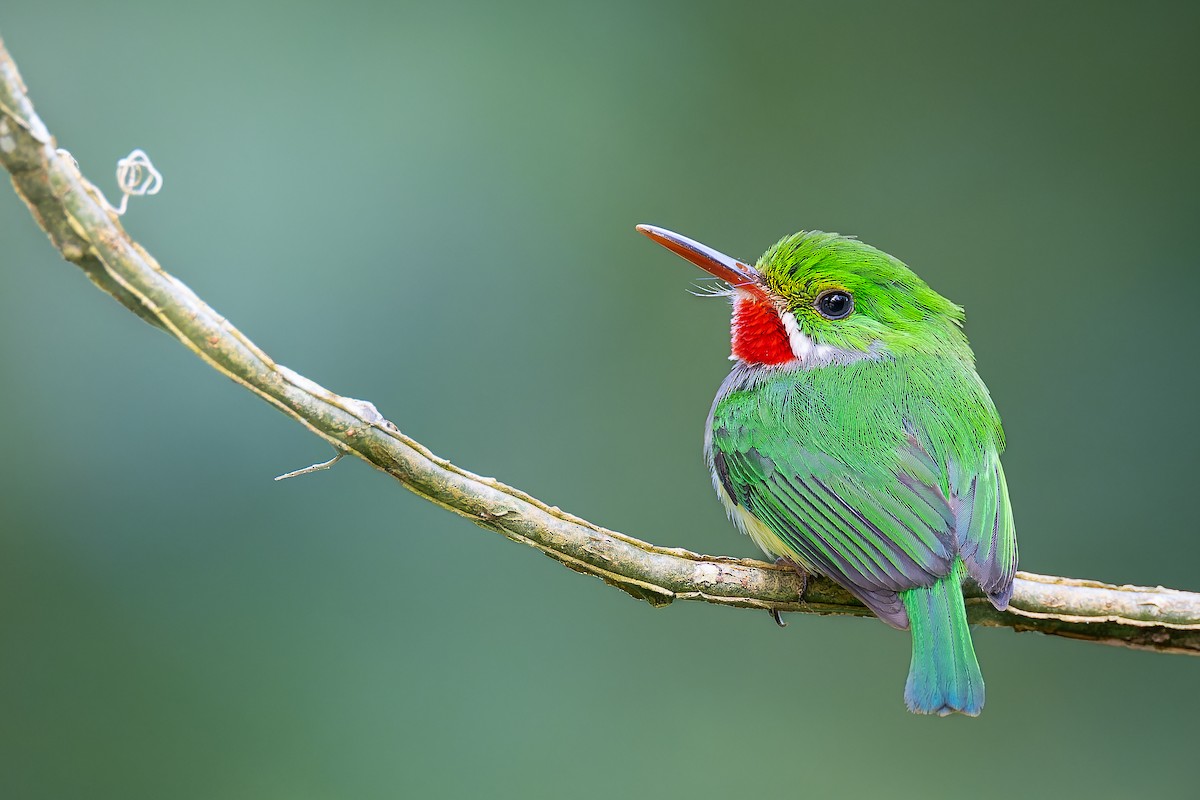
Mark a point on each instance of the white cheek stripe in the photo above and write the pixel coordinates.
(803, 347)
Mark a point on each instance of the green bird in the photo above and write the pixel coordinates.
(854, 438)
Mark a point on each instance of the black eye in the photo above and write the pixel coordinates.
(835, 304)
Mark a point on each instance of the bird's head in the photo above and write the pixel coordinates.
(816, 298)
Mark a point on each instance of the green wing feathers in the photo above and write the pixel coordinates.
(984, 535)
(875, 541)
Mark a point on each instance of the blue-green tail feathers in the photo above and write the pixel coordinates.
(944, 676)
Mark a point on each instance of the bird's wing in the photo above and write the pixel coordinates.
(875, 536)
(984, 535)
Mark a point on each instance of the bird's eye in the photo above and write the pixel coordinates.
(835, 304)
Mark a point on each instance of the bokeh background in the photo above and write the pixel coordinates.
(432, 206)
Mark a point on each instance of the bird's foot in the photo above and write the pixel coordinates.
(802, 574)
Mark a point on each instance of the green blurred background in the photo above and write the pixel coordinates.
(432, 206)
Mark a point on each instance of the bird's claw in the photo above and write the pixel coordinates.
(801, 572)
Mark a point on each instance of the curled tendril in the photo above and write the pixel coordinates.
(136, 176)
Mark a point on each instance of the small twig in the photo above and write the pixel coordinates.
(83, 228)
(312, 468)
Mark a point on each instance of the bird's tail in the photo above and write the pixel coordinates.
(944, 676)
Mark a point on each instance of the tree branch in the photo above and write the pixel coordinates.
(84, 228)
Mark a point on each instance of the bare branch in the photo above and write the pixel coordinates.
(88, 233)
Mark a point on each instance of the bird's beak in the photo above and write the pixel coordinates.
(719, 265)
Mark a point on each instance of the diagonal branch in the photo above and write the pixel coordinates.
(83, 227)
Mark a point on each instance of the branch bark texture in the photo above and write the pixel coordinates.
(84, 228)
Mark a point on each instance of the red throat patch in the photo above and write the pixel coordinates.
(757, 333)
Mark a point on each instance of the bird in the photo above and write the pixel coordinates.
(854, 438)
